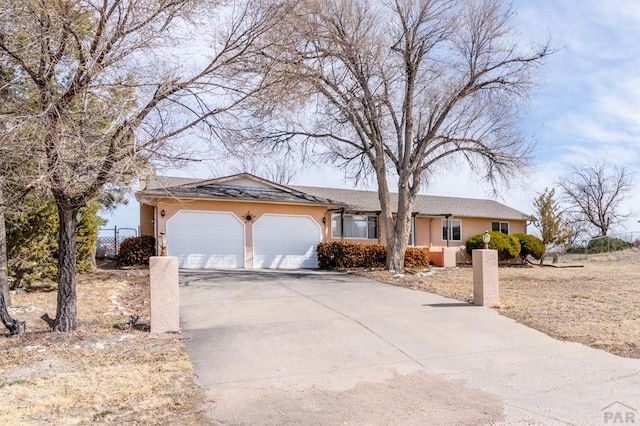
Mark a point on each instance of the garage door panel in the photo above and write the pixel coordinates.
(287, 242)
(206, 240)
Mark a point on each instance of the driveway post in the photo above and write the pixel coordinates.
(163, 275)
(485, 278)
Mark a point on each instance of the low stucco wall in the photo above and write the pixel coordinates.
(443, 256)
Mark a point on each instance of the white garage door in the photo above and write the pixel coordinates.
(286, 242)
(206, 240)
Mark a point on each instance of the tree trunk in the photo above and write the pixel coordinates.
(14, 326)
(67, 301)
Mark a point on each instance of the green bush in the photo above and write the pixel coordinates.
(136, 251)
(530, 246)
(605, 244)
(32, 240)
(340, 255)
(507, 246)
(601, 245)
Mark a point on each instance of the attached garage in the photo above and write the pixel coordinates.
(285, 242)
(206, 240)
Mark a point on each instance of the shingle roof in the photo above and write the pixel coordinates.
(425, 205)
(353, 200)
(172, 187)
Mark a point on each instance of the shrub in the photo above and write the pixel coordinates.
(507, 246)
(340, 254)
(415, 257)
(530, 245)
(136, 251)
(605, 244)
(32, 240)
(600, 245)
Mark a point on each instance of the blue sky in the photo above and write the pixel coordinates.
(585, 110)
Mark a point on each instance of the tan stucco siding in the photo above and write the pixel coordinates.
(146, 220)
(471, 226)
(423, 231)
(240, 209)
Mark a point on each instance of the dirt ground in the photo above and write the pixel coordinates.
(97, 374)
(596, 303)
(413, 399)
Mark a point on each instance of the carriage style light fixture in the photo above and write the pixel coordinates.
(485, 239)
(162, 242)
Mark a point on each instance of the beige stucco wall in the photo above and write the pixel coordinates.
(240, 209)
(470, 226)
(428, 231)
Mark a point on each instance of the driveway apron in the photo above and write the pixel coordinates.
(300, 330)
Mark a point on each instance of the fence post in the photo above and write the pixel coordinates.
(115, 240)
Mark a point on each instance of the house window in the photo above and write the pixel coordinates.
(500, 227)
(451, 230)
(355, 226)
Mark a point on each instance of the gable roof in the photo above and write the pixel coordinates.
(241, 187)
(247, 187)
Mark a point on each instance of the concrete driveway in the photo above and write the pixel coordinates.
(277, 347)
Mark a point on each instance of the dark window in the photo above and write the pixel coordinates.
(500, 227)
(451, 228)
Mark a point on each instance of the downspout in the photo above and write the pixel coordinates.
(430, 231)
(414, 228)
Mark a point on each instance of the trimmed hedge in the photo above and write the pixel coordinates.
(507, 246)
(530, 245)
(344, 255)
(136, 251)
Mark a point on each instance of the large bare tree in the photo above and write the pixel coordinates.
(396, 88)
(594, 194)
(111, 84)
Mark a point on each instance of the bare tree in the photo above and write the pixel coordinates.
(109, 87)
(395, 88)
(280, 169)
(594, 195)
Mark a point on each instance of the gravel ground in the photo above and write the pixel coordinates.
(592, 300)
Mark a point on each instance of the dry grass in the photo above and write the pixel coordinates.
(98, 374)
(597, 304)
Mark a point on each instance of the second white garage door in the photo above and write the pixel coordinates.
(206, 240)
(287, 242)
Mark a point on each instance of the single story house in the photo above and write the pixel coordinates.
(243, 221)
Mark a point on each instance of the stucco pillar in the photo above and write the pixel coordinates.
(485, 278)
(165, 313)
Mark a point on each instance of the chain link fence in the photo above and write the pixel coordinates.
(109, 240)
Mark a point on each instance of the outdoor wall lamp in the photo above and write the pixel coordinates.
(162, 242)
(485, 239)
(324, 220)
(162, 213)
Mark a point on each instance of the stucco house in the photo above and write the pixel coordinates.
(243, 221)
